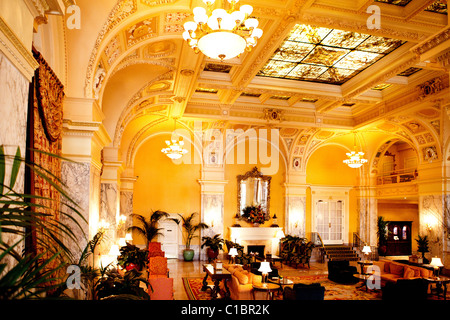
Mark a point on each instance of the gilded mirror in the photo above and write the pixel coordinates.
(253, 189)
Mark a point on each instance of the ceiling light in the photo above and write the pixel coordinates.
(355, 159)
(174, 148)
(222, 34)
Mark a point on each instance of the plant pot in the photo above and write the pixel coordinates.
(188, 254)
(211, 254)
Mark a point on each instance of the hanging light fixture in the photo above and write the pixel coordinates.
(222, 34)
(355, 159)
(174, 148)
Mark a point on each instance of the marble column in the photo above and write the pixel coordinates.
(433, 222)
(212, 201)
(296, 215)
(14, 89)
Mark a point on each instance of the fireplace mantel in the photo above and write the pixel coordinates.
(253, 233)
(256, 235)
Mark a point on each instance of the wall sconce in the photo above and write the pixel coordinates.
(121, 221)
(430, 222)
(103, 226)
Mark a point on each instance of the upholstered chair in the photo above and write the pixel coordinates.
(160, 285)
(154, 250)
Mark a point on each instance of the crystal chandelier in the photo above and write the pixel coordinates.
(355, 159)
(222, 34)
(174, 148)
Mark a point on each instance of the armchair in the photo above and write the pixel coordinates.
(301, 291)
(160, 285)
(342, 272)
(154, 250)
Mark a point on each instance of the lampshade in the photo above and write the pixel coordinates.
(265, 267)
(436, 262)
(233, 252)
(114, 250)
(122, 242)
(366, 250)
(280, 234)
(128, 237)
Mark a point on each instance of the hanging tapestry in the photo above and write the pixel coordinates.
(44, 139)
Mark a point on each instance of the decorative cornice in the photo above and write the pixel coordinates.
(14, 49)
(432, 42)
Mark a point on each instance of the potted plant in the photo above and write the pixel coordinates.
(148, 228)
(114, 285)
(190, 229)
(382, 234)
(214, 245)
(132, 257)
(422, 246)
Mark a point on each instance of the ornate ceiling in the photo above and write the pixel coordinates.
(318, 70)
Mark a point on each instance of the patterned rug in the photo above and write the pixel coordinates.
(333, 291)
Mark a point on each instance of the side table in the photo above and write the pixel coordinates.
(440, 283)
(269, 288)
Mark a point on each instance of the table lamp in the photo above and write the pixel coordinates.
(436, 263)
(366, 250)
(233, 253)
(264, 269)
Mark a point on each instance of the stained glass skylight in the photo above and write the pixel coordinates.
(439, 6)
(326, 55)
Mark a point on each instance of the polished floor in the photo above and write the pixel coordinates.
(179, 269)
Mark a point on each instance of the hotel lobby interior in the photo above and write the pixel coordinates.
(308, 139)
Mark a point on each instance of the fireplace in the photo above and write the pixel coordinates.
(256, 249)
(251, 237)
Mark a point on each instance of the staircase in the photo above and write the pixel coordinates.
(339, 253)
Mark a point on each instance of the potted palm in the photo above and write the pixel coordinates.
(422, 246)
(190, 229)
(148, 228)
(382, 234)
(214, 245)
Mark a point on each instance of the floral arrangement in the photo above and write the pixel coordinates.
(254, 214)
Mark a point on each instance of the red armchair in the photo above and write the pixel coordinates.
(158, 278)
(154, 250)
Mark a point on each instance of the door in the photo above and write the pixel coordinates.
(329, 221)
(169, 239)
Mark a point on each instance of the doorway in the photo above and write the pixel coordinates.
(329, 217)
(169, 238)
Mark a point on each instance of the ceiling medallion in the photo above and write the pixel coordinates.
(222, 34)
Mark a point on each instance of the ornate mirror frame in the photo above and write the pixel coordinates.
(254, 173)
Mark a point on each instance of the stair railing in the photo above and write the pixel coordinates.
(321, 246)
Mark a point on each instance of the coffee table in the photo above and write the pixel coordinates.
(216, 276)
(269, 288)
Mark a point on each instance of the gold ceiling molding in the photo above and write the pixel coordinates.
(432, 42)
(122, 10)
(153, 3)
(16, 52)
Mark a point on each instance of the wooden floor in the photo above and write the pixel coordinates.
(179, 269)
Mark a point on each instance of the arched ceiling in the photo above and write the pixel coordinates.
(130, 56)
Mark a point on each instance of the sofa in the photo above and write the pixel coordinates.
(405, 289)
(241, 282)
(301, 291)
(391, 271)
